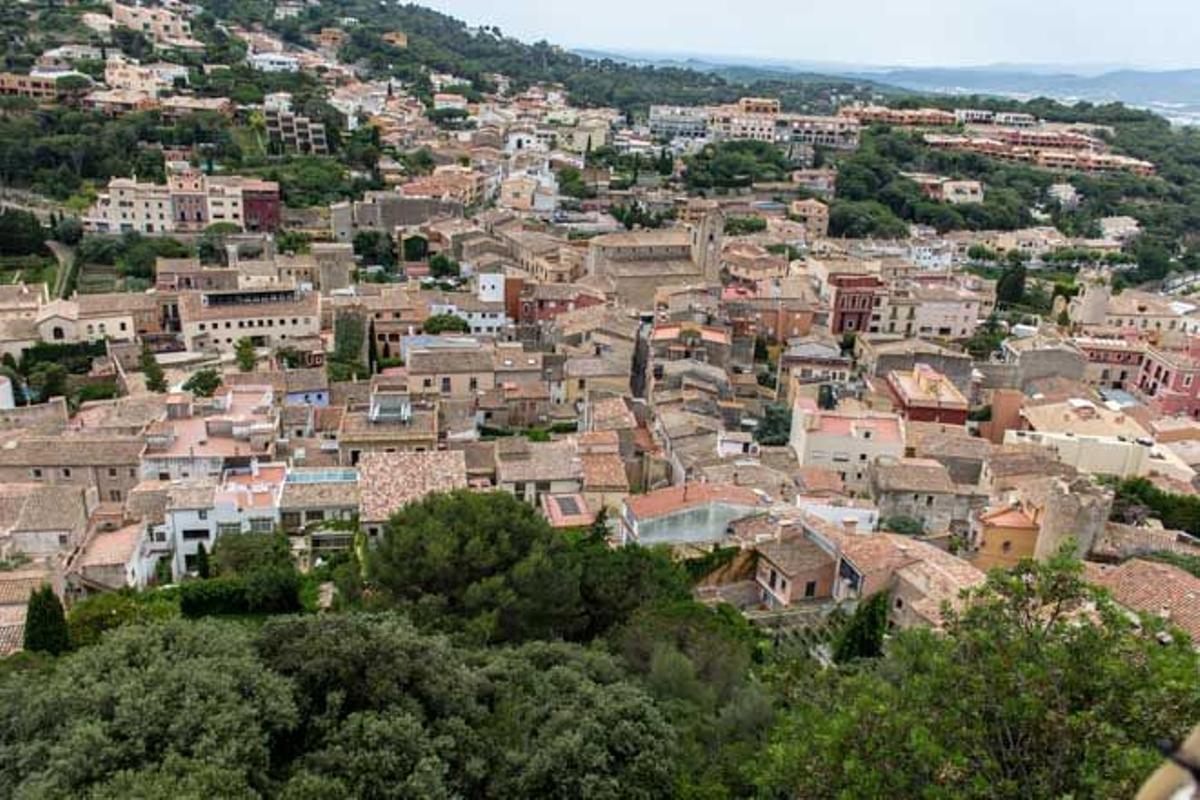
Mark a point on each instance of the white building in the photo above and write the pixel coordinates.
(273, 62)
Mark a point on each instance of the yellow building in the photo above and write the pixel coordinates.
(1003, 536)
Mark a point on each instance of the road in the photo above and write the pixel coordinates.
(65, 255)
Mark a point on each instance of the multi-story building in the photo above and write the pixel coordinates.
(678, 122)
(239, 425)
(295, 132)
(198, 512)
(837, 133)
(1111, 362)
(107, 464)
(268, 317)
(854, 301)
(273, 62)
(813, 215)
(904, 117)
(750, 118)
(43, 88)
(189, 201)
(847, 442)
(162, 26)
(1169, 379)
(925, 395)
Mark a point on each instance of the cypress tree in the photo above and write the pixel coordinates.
(45, 623)
(863, 635)
(202, 567)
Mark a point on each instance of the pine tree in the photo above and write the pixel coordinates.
(156, 379)
(202, 568)
(45, 623)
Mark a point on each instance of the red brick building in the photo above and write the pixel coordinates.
(854, 300)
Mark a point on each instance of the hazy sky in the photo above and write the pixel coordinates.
(1152, 33)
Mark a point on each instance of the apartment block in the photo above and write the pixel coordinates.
(268, 317)
(295, 132)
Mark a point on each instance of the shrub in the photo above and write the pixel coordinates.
(213, 596)
(272, 591)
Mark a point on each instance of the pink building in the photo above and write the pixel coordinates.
(1168, 379)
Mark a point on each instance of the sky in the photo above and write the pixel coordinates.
(1144, 33)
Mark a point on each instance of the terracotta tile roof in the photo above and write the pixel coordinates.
(53, 508)
(611, 413)
(811, 479)
(677, 498)
(1157, 589)
(15, 587)
(604, 471)
(322, 494)
(389, 481)
(912, 475)
(192, 494)
(71, 451)
(106, 548)
(148, 501)
(521, 461)
(12, 638)
(795, 554)
(1007, 517)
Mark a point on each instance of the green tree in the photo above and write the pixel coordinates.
(203, 383)
(776, 426)
(21, 233)
(243, 553)
(1010, 288)
(1039, 687)
(48, 380)
(90, 617)
(863, 635)
(198, 684)
(445, 323)
(903, 524)
(45, 623)
(245, 355)
(375, 247)
(442, 266)
(202, 567)
(156, 379)
(481, 561)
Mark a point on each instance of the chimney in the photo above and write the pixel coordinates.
(850, 525)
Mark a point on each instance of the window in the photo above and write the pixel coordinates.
(262, 525)
(202, 514)
(192, 534)
(899, 603)
(1006, 547)
(112, 472)
(445, 384)
(227, 528)
(810, 589)
(114, 495)
(36, 472)
(66, 472)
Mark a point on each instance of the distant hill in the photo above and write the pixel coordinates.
(1173, 93)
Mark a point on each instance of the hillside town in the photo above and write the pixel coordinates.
(688, 328)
